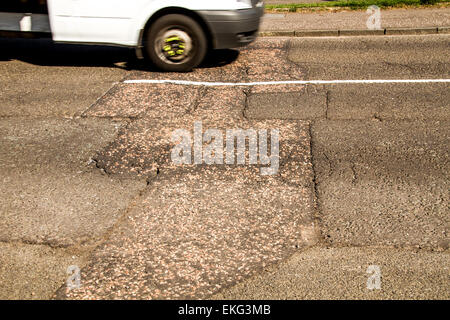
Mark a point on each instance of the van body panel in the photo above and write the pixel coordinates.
(120, 22)
(233, 28)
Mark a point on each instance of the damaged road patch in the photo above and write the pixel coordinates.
(200, 228)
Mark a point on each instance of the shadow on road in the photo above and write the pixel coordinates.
(45, 52)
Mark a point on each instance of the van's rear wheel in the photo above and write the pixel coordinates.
(175, 43)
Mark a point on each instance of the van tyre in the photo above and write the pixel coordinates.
(175, 43)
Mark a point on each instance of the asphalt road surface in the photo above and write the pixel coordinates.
(363, 179)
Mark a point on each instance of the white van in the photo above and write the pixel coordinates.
(173, 34)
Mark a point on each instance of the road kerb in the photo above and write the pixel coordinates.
(277, 34)
(408, 31)
(316, 33)
(364, 32)
(355, 32)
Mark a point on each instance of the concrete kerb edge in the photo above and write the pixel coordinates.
(355, 32)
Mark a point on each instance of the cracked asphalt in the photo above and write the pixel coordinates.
(363, 177)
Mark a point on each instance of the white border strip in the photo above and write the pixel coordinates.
(268, 83)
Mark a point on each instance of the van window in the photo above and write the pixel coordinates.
(24, 6)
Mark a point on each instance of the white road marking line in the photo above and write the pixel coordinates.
(267, 83)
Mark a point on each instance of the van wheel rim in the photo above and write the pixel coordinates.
(173, 46)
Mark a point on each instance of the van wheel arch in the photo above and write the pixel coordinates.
(182, 11)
